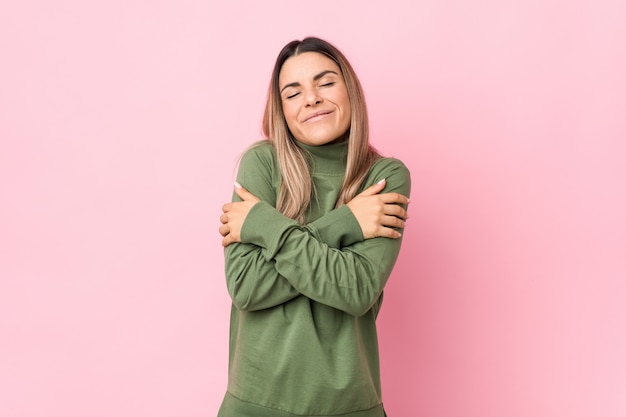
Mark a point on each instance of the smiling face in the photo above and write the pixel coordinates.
(314, 98)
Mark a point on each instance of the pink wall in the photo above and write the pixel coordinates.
(120, 123)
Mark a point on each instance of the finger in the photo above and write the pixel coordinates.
(243, 193)
(227, 240)
(224, 218)
(227, 207)
(392, 221)
(389, 233)
(394, 198)
(395, 210)
(224, 230)
(374, 189)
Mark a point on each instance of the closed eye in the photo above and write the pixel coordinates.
(328, 84)
(292, 95)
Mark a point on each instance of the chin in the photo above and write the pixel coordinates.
(320, 141)
(324, 139)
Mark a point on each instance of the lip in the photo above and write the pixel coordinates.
(316, 114)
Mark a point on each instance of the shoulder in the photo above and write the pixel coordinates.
(389, 167)
(258, 171)
(390, 164)
(260, 155)
(260, 150)
(394, 171)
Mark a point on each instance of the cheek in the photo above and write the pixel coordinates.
(347, 111)
(290, 114)
(344, 101)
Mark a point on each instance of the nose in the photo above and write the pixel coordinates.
(312, 98)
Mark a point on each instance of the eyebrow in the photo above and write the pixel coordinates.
(317, 77)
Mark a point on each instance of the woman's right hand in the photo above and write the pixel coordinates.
(378, 213)
(235, 214)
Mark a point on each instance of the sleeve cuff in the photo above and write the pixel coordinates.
(338, 228)
(264, 226)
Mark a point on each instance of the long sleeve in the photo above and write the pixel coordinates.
(309, 292)
(350, 279)
(253, 281)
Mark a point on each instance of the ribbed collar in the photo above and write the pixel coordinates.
(327, 159)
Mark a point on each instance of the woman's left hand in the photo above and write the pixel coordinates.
(235, 214)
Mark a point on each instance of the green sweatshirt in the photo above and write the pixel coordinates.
(303, 336)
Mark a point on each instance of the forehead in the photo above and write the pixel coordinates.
(305, 66)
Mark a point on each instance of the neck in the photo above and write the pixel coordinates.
(327, 159)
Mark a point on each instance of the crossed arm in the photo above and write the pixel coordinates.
(376, 213)
(272, 259)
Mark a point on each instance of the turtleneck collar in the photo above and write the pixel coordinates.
(327, 159)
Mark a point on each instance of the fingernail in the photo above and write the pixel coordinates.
(237, 185)
(381, 181)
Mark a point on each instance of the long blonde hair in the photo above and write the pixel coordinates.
(296, 187)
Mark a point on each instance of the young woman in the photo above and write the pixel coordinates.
(311, 239)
